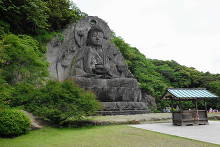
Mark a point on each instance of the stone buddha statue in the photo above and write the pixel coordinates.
(98, 60)
(101, 68)
(88, 56)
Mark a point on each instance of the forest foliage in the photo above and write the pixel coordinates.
(155, 76)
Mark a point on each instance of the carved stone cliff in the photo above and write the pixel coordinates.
(86, 54)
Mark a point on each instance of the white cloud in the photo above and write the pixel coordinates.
(187, 31)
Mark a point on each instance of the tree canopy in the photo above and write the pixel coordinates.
(34, 16)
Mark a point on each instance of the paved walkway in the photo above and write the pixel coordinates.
(207, 133)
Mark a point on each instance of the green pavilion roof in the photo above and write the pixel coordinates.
(188, 93)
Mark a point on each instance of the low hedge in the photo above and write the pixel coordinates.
(13, 123)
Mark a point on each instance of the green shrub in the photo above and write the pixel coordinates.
(57, 101)
(21, 95)
(13, 123)
(6, 91)
(17, 95)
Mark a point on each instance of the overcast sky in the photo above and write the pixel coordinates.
(187, 31)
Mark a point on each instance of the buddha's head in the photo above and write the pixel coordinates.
(95, 36)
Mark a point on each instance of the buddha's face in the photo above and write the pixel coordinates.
(96, 38)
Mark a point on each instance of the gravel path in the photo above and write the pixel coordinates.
(207, 133)
(138, 117)
(141, 118)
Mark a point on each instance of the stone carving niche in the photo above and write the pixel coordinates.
(86, 54)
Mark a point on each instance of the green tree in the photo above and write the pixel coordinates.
(214, 86)
(62, 13)
(21, 59)
(24, 16)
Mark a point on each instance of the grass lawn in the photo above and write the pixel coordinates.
(102, 136)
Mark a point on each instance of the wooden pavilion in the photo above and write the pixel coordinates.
(188, 117)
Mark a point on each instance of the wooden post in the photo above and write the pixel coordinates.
(197, 114)
(181, 112)
(172, 109)
(172, 104)
(206, 115)
(196, 104)
(205, 105)
(180, 105)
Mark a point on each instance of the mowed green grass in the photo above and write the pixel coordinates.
(102, 136)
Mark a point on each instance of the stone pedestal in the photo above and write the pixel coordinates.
(119, 106)
(112, 90)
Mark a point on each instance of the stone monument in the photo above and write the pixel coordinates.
(86, 54)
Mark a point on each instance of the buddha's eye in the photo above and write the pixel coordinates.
(100, 35)
(94, 34)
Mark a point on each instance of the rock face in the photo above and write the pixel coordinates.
(150, 100)
(86, 54)
(36, 123)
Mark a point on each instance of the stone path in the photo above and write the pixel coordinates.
(207, 133)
